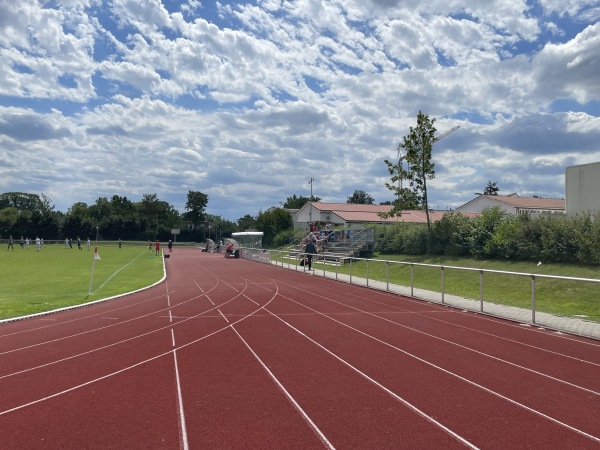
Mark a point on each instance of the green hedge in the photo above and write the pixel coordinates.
(498, 235)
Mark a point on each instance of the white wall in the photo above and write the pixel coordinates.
(480, 203)
(583, 188)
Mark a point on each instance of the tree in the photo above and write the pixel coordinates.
(195, 206)
(295, 202)
(417, 150)
(272, 222)
(490, 189)
(360, 198)
(246, 223)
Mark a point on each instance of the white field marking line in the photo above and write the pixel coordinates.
(113, 325)
(117, 271)
(110, 318)
(464, 347)
(79, 318)
(87, 383)
(84, 305)
(114, 343)
(172, 338)
(182, 428)
(380, 386)
(291, 399)
(170, 317)
(94, 315)
(466, 380)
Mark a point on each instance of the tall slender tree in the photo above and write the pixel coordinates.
(416, 149)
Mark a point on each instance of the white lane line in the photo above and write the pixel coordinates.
(117, 372)
(474, 330)
(435, 366)
(223, 315)
(478, 352)
(172, 337)
(118, 324)
(170, 316)
(382, 387)
(288, 395)
(182, 428)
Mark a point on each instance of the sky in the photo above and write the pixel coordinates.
(248, 101)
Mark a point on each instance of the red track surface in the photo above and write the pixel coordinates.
(236, 354)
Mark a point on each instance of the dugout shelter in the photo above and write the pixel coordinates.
(249, 239)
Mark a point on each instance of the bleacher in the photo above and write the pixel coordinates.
(340, 246)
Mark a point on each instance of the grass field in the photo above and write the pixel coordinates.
(56, 277)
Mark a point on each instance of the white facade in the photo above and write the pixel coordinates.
(583, 188)
(309, 214)
(482, 202)
(514, 205)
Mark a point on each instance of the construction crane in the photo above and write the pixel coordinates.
(435, 139)
(443, 135)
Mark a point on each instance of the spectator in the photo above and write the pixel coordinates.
(310, 250)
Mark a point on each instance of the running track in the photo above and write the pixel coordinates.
(234, 354)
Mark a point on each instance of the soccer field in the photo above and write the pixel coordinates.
(56, 277)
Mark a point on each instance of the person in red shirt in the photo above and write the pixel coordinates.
(157, 246)
(228, 250)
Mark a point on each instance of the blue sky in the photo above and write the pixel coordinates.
(247, 101)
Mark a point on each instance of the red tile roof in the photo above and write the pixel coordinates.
(530, 202)
(351, 212)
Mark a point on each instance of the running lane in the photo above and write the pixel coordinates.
(229, 354)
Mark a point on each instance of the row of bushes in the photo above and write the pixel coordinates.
(495, 234)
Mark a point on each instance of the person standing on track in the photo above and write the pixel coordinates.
(157, 246)
(310, 250)
(229, 250)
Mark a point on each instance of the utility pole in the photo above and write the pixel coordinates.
(311, 181)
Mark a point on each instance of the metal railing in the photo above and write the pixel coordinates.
(331, 269)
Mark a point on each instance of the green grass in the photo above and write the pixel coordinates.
(57, 277)
(560, 297)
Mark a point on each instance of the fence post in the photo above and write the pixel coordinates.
(442, 267)
(412, 280)
(387, 275)
(532, 298)
(351, 259)
(481, 290)
(367, 272)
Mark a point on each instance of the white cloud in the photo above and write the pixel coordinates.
(251, 100)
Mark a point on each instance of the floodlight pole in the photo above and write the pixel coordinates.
(311, 181)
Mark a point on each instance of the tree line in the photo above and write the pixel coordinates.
(33, 215)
